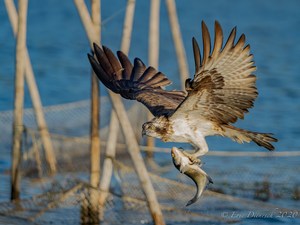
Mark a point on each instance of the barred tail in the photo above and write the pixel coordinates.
(240, 136)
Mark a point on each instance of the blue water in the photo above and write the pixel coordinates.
(58, 46)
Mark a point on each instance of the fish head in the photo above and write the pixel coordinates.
(176, 157)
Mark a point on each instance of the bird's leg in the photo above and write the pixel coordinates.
(192, 158)
(189, 155)
(201, 149)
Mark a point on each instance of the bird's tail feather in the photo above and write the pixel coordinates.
(241, 135)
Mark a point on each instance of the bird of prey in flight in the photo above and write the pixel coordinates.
(221, 92)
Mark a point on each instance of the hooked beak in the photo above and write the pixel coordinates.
(143, 133)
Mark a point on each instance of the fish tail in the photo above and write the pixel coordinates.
(209, 179)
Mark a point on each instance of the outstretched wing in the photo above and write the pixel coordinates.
(135, 82)
(223, 88)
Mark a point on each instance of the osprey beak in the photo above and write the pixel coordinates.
(143, 133)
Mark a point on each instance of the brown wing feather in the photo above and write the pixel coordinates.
(223, 88)
(197, 55)
(126, 65)
(135, 82)
(159, 101)
(206, 43)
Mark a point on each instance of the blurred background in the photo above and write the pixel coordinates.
(58, 48)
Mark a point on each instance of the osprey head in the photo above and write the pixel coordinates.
(157, 127)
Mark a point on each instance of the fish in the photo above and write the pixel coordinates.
(191, 169)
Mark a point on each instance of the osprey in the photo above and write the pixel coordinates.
(221, 92)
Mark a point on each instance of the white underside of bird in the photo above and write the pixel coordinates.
(194, 134)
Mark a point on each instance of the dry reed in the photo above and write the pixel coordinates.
(19, 100)
(34, 93)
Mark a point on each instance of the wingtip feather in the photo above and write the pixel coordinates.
(197, 55)
(206, 43)
(218, 42)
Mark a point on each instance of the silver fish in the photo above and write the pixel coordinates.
(183, 163)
